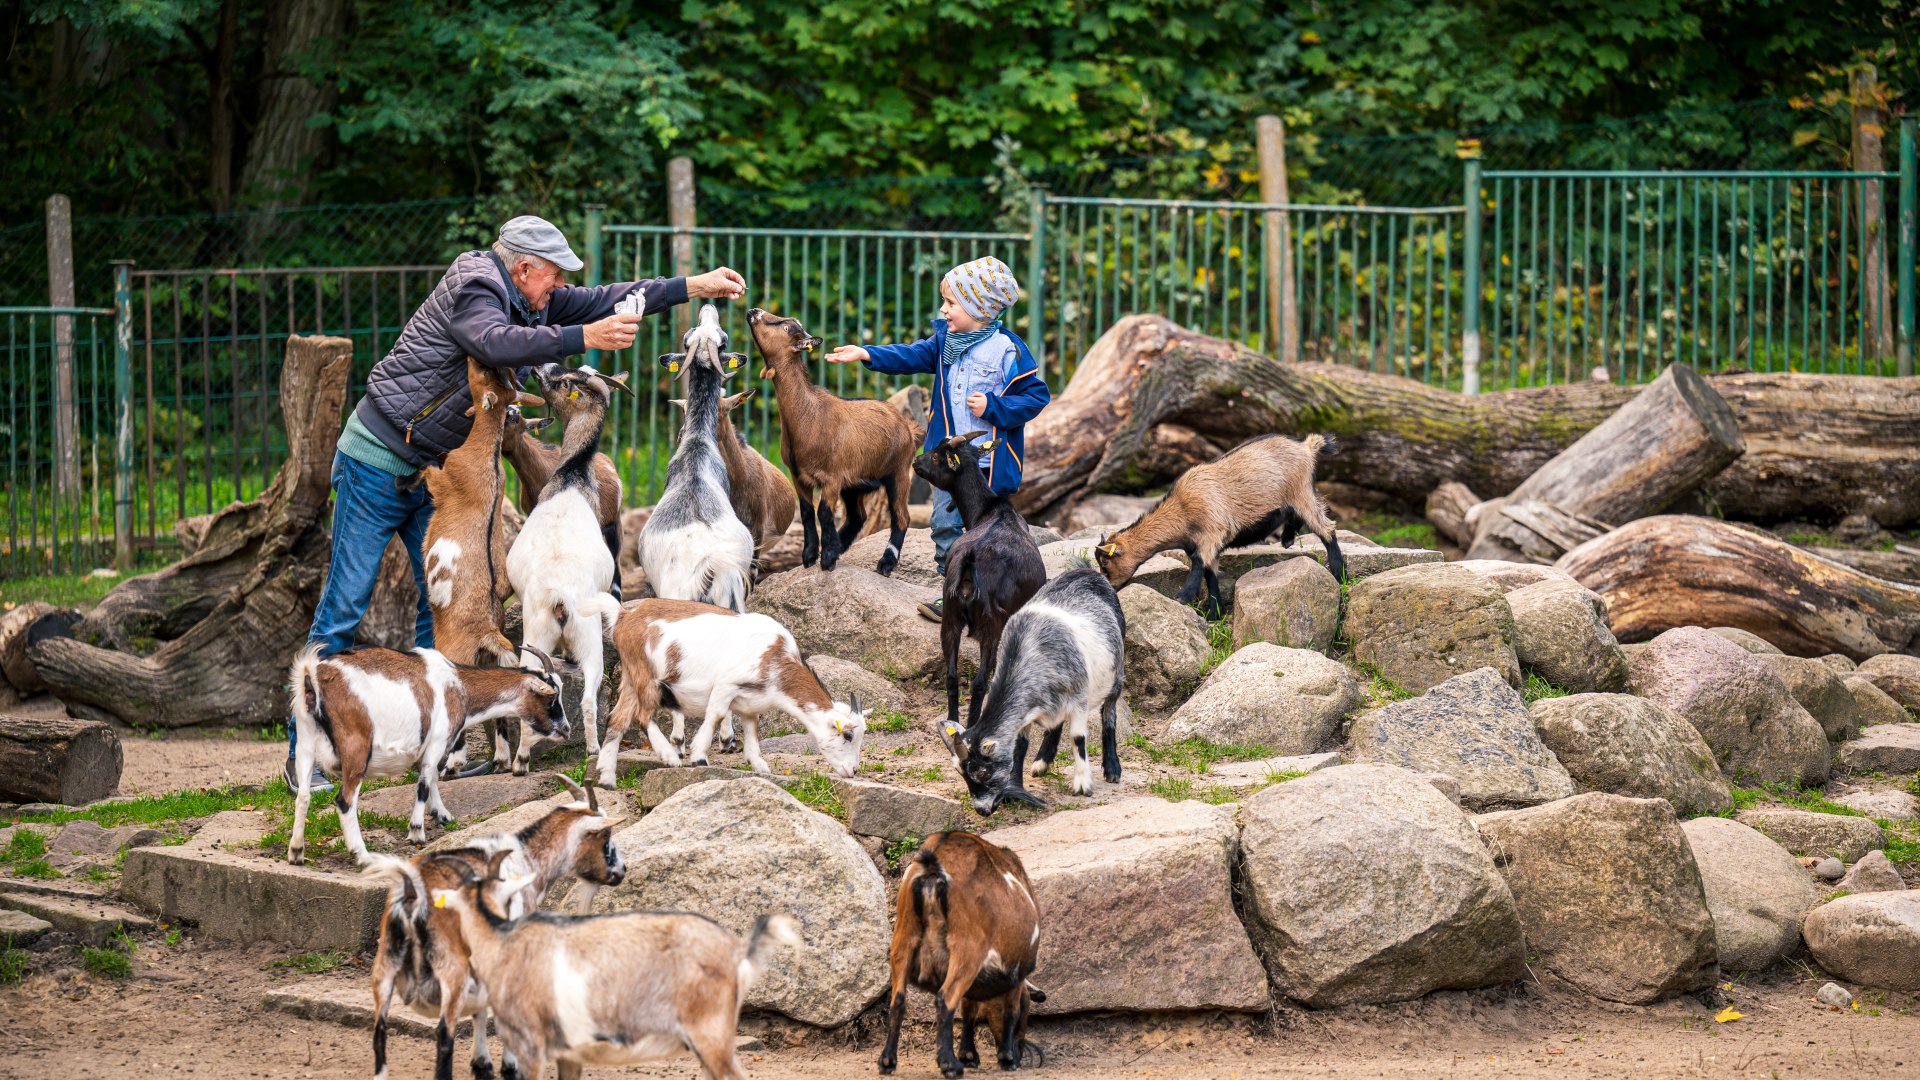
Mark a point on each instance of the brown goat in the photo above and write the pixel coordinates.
(534, 462)
(966, 929)
(466, 548)
(761, 494)
(1264, 484)
(835, 449)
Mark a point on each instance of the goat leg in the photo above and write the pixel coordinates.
(855, 500)
(348, 804)
(303, 768)
(943, 1032)
(950, 631)
(897, 490)
(829, 538)
(1010, 1024)
(809, 538)
(1215, 606)
(896, 1011)
(1082, 768)
(480, 1063)
(1110, 737)
(1190, 591)
(969, 1052)
(983, 674)
(1049, 749)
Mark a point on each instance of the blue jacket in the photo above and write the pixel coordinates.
(1007, 412)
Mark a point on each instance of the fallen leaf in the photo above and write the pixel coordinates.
(1727, 1014)
(1553, 1050)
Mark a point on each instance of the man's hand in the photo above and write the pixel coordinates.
(613, 332)
(977, 404)
(847, 354)
(719, 284)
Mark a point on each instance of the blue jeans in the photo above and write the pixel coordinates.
(947, 527)
(369, 509)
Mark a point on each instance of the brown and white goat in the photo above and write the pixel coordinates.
(966, 929)
(835, 449)
(422, 958)
(714, 662)
(1264, 484)
(372, 713)
(534, 462)
(761, 494)
(610, 989)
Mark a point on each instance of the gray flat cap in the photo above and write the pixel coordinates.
(538, 236)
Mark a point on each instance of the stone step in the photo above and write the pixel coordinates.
(19, 928)
(92, 921)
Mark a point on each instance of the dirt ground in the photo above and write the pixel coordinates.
(189, 760)
(196, 1008)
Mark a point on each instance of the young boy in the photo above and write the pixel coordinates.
(984, 380)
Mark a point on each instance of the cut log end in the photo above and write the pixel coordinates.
(72, 762)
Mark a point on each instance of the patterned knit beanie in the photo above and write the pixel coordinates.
(984, 287)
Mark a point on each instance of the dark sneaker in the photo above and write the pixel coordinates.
(933, 610)
(319, 783)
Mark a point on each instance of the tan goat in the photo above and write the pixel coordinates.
(761, 494)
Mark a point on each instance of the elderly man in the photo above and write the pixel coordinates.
(507, 308)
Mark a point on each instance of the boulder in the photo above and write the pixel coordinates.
(1166, 649)
(1756, 892)
(1295, 603)
(843, 678)
(86, 843)
(1885, 748)
(1747, 640)
(1508, 576)
(858, 615)
(1109, 513)
(1560, 632)
(1873, 873)
(1841, 665)
(1872, 939)
(1422, 625)
(736, 851)
(659, 785)
(1822, 692)
(1364, 884)
(1290, 700)
(916, 557)
(1136, 899)
(1807, 832)
(1892, 805)
(1625, 745)
(1473, 727)
(1609, 894)
(1876, 707)
(1734, 699)
(466, 799)
(893, 813)
(1898, 675)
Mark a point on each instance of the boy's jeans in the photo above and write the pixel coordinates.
(368, 510)
(947, 527)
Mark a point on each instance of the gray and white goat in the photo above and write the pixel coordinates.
(1061, 656)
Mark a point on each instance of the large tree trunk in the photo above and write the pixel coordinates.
(1661, 572)
(230, 664)
(20, 628)
(281, 153)
(1405, 438)
(57, 761)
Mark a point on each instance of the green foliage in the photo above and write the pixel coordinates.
(314, 963)
(174, 937)
(109, 962)
(902, 849)
(1798, 798)
(818, 791)
(25, 845)
(61, 590)
(888, 720)
(932, 774)
(13, 962)
(1381, 689)
(1903, 840)
(1408, 536)
(1219, 644)
(1539, 689)
(37, 868)
(1197, 755)
(1180, 789)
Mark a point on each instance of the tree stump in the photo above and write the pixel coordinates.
(20, 628)
(229, 617)
(1673, 570)
(57, 761)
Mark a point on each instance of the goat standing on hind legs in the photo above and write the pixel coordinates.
(992, 570)
(836, 450)
(535, 461)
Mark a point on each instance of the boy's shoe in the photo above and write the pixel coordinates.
(319, 781)
(933, 610)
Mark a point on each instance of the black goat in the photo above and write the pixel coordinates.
(991, 571)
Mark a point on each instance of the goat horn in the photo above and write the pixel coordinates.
(622, 384)
(573, 787)
(593, 795)
(545, 660)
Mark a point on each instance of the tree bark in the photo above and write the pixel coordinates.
(1447, 509)
(222, 128)
(58, 761)
(1405, 438)
(1661, 572)
(284, 145)
(266, 559)
(20, 628)
(1528, 530)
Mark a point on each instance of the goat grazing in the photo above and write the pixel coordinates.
(712, 662)
(693, 546)
(835, 449)
(1062, 655)
(610, 989)
(1265, 483)
(966, 930)
(371, 713)
(761, 495)
(560, 564)
(991, 570)
(534, 463)
(422, 957)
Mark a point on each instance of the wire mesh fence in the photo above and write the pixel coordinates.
(58, 433)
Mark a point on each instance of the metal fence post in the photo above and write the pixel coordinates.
(1908, 127)
(123, 402)
(1037, 280)
(596, 275)
(1470, 286)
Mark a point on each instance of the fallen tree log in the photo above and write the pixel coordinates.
(1818, 446)
(33, 621)
(57, 761)
(1528, 530)
(225, 651)
(1447, 508)
(1674, 570)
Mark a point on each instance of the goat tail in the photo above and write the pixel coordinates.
(304, 685)
(930, 894)
(406, 889)
(776, 931)
(1318, 445)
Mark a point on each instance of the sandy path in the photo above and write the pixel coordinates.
(189, 762)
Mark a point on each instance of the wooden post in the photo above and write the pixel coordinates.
(1868, 132)
(1470, 275)
(680, 215)
(1270, 139)
(1908, 167)
(123, 415)
(66, 442)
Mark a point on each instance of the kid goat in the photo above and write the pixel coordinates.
(610, 989)
(560, 564)
(372, 713)
(1265, 483)
(708, 661)
(693, 547)
(535, 461)
(1063, 655)
(836, 450)
(991, 570)
(966, 930)
(422, 957)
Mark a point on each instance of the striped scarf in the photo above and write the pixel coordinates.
(956, 345)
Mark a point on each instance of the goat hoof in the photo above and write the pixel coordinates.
(416, 837)
(444, 820)
(481, 769)
(1112, 776)
(482, 1070)
(701, 762)
(887, 1064)
(297, 858)
(952, 1072)
(970, 1059)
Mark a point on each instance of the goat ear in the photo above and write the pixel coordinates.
(493, 864)
(1110, 550)
(521, 397)
(535, 423)
(619, 379)
(441, 896)
(678, 403)
(611, 824)
(672, 361)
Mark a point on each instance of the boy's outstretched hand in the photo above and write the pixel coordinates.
(977, 404)
(847, 354)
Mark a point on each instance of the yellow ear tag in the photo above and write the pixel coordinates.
(839, 725)
(952, 730)
(440, 901)
(987, 747)
(953, 460)
(732, 364)
(673, 367)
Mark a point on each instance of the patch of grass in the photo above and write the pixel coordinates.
(174, 937)
(172, 807)
(1796, 798)
(1539, 689)
(889, 720)
(1197, 755)
(873, 766)
(109, 962)
(26, 845)
(314, 963)
(932, 774)
(13, 963)
(1381, 689)
(1281, 776)
(902, 751)
(99, 875)
(274, 732)
(1419, 535)
(1902, 846)
(1812, 539)
(902, 849)
(1838, 893)
(61, 590)
(1219, 645)
(1172, 788)
(37, 868)
(817, 791)
(1913, 785)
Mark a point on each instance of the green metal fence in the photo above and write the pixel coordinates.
(60, 494)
